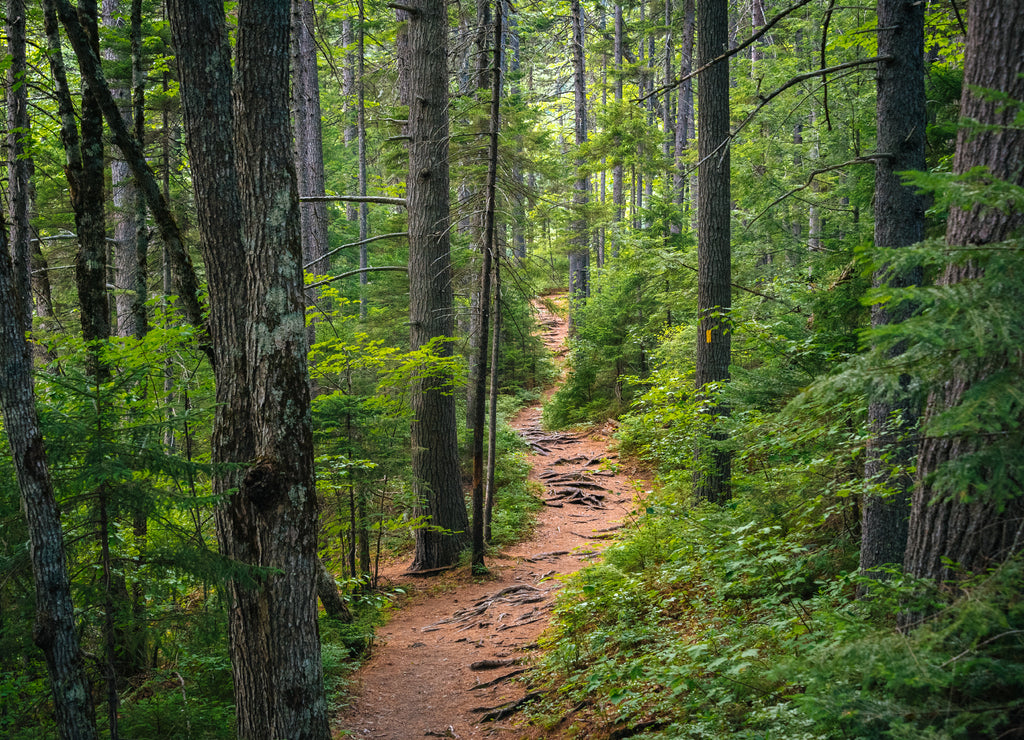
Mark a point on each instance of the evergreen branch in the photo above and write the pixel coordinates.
(730, 53)
(350, 273)
(355, 244)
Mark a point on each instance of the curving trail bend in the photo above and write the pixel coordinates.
(450, 653)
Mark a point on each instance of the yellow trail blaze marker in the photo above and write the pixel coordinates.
(707, 336)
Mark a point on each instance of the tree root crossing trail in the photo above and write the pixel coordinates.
(452, 660)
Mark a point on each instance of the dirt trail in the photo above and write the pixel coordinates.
(448, 655)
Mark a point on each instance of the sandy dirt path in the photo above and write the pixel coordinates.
(450, 652)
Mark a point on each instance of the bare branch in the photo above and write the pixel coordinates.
(731, 52)
(353, 199)
(393, 235)
(350, 273)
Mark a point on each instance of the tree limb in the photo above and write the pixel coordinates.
(356, 244)
(350, 273)
(352, 199)
(186, 281)
(731, 52)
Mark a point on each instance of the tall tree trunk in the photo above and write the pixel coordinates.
(684, 111)
(899, 222)
(617, 171)
(309, 150)
(129, 302)
(435, 460)
(967, 527)
(714, 296)
(364, 208)
(247, 202)
(489, 247)
(18, 162)
(579, 249)
(54, 630)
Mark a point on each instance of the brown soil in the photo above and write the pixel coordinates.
(452, 650)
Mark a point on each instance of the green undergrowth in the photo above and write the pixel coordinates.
(708, 623)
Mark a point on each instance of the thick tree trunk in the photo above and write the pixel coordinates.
(249, 219)
(714, 292)
(899, 222)
(967, 527)
(435, 460)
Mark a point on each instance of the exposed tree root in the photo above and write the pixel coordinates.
(493, 714)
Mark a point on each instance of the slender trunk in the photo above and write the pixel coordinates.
(489, 249)
(18, 163)
(54, 631)
(684, 111)
(617, 171)
(579, 250)
(492, 421)
(364, 212)
(309, 152)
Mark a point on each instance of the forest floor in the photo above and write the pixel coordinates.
(457, 647)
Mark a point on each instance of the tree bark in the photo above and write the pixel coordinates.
(309, 152)
(18, 163)
(714, 292)
(489, 248)
(54, 629)
(966, 527)
(684, 111)
(129, 300)
(899, 222)
(579, 247)
(435, 460)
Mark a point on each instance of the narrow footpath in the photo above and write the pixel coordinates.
(445, 664)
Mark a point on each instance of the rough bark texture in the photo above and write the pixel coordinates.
(617, 173)
(247, 203)
(684, 109)
(435, 461)
(899, 222)
(579, 247)
(309, 153)
(18, 165)
(54, 630)
(714, 294)
(489, 249)
(976, 534)
(129, 275)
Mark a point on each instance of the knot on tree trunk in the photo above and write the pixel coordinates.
(262, 484)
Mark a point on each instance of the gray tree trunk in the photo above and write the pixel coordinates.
(309, 151)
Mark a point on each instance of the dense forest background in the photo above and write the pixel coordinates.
(265, 303)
